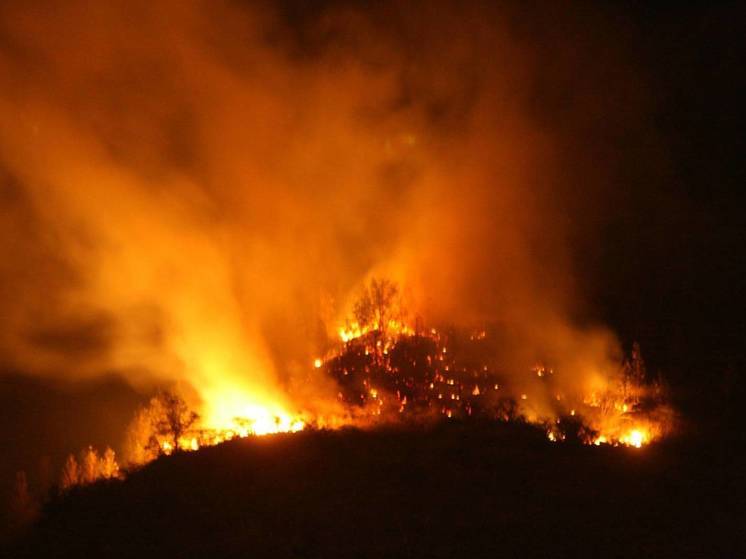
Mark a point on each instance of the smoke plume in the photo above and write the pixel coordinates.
(194, 192)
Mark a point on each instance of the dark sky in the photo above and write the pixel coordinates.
(668, 264)
(674, 263)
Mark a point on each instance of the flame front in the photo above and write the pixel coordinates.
(403, 373)
(230, 411)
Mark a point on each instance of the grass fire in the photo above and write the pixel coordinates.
(342, 278)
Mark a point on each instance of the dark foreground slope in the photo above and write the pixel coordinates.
(453, 491)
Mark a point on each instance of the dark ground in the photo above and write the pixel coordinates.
(44, 420)
(454, 490)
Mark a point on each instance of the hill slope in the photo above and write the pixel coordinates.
(456, 490)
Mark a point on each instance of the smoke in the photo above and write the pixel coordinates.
(195, 191)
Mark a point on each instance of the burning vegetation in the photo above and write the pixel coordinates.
(390, 370)
(90, 467)
(386, 371)
(166, 425)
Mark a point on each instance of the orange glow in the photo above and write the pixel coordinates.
(232, 411)
(607, 409)
(352, 330)
(215, 237)
(635, 438)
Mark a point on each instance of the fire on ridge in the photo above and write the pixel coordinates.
(424, 374)
(387, 371)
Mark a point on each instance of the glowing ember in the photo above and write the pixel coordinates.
(416, 371)
(353, 330)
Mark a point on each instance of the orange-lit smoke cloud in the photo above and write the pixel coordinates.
(194, 191)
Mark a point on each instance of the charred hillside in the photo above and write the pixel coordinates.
(450, 490)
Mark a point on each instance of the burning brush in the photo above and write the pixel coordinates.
(388, 371)
(391, 371)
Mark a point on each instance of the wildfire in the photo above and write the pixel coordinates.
(262, 423)
(257, 420)
(634, 438)
(352, 331)
(416, 374)
(399, 373)
(167, 425)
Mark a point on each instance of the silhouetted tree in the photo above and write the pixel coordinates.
(376, 305)
(637, 370)
(634, 374)
(171, 419)
(138, 449)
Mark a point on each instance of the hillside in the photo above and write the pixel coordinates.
(455, 490)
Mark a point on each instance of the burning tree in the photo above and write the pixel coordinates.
(108, 466)
(171, 421)
(91, 467)
(160, 428)
(376, 306)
